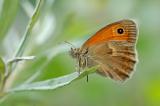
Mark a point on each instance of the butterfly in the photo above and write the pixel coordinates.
(113, 48)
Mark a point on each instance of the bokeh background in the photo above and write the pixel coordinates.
(75, 21)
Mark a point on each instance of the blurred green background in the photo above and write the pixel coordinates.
(75, 21)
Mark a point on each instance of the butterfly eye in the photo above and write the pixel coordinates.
(120, 30)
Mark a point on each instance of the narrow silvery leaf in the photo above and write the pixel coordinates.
(53, 83)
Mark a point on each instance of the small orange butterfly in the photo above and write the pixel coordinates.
(113, 48)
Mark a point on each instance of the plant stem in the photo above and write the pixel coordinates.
(23, 43)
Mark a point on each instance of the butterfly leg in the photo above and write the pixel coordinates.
(81, 64)
(86, 61)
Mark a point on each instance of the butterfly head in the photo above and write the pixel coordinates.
(74, 52)
(78, 52)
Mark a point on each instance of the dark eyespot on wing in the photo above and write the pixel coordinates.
(120, 30)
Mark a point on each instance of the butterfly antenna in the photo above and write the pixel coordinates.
(70, 44)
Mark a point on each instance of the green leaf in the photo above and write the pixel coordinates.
(8, 14)
(54, 83)
(2, 72)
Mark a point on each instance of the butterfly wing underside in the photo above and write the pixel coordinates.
(115, 52)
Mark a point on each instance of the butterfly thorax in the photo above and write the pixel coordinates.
(81, 55)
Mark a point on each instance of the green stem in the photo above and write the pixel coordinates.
(24, 41)
(29, 28)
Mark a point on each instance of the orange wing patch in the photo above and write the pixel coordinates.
(121, 30)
